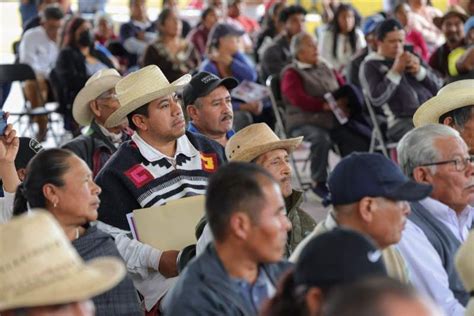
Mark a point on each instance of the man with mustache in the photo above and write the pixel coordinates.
(257, 143)
(161, 162)
(370, 194)
(208, 103)
(436, 154)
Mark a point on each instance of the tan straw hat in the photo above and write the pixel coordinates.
(455, 10)
(255, 140)
(141, 87)
(100, 82)
(40, 267)
(453, 96)
(464, 261)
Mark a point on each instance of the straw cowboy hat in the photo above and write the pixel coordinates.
(464, 261)
(455, 10)
(453, 96)
(40, 267)
(141, 87)
(100, 82)
(255, 140)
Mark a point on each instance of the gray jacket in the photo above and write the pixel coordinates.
(205, 288)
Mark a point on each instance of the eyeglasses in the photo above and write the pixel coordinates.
(460, 163)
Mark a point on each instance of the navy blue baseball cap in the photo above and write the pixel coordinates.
(371, 175)
(371, 23)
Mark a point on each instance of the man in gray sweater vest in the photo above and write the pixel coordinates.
(438, 225)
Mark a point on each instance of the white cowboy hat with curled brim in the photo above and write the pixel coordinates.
(141, 87)
(40, 267)
(453, 96)
(464, 262)
(100, 82)
(255, 140)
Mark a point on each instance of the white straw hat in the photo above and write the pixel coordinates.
(453, 96)
(100, 82)
(464, 261)
(141, 87)
(40, 267)
(255, 140)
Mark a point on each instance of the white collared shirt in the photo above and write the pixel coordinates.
(426, 269)
(183, 146)
(459, 225)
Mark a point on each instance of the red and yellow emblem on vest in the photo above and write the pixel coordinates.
(209, 162)
(139, 175)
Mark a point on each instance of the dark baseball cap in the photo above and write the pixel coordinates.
(204, 83)
(363, 174)
(387, 26)
(29, 147)
(338, 257)
(223, 29)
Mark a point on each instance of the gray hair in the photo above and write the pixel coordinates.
(295, 44)
(417, 146)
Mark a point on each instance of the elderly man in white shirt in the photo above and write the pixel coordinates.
(39, 49)
(436, 154)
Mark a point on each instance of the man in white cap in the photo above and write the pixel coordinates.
(453, 106)
(92, 107)
(258, 143)
(42, 274)
(161, 162)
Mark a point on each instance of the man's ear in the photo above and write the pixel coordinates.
(192, 112)
(422, 175)
(94, 108)
(448, 121)
(140, 121)
(314, 300)
(365, 208)
(240, 225)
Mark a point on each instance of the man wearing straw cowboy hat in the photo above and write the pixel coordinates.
(452, 106)
(92, 107)
(161, 162)
(257, 143)
(42, 274)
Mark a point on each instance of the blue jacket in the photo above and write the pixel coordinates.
(205, 288)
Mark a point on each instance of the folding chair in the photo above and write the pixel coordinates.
(377, 140)
(20, 73)
(273, 84)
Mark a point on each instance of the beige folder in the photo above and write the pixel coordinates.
(170, 226)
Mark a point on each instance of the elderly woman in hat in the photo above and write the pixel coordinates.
(43, 275)
(60, 182)
(92, 107)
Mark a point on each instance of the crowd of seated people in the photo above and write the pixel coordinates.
(157, 112)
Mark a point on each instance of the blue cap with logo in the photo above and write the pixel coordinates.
(371, 23)
(371, 175)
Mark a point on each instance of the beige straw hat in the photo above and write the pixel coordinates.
(100, 82)
(40, 267)
(464, 261)
(255, 140)
(141, 87)
(453, 96)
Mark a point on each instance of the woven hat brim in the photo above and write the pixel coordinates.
(430, 111)
(253, 152)
(439, 20)
(121, 113)
(95, 277)
(80, 108)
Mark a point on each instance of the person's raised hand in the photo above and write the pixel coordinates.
(9, 145)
